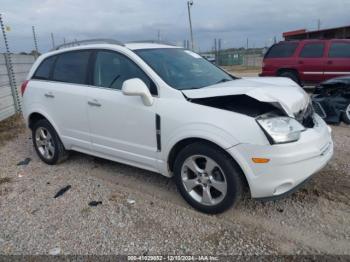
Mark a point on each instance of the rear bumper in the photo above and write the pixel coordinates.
(290, 164)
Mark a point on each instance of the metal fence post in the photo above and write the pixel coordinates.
(10, 71)
(35, 43)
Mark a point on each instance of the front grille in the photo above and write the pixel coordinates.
(319, 109)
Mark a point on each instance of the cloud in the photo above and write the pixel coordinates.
(233, 21)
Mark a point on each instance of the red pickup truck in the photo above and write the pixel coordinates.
(308, 61)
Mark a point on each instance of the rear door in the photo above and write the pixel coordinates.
(338, 60)
(312, 61)
(63, 97)
(122, 127)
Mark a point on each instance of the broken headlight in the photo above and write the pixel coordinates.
(281, 129)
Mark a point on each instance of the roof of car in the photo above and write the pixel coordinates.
(313, 40)
(106, 43)
(145, 45)
(96, 43)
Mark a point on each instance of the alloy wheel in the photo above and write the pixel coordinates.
(347, 111)
(44, 143)
(204, 180)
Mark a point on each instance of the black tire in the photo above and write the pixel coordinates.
(233, 176)
(345, 115)
(60, 154)
(292, 75)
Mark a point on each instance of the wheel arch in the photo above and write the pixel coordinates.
(35, 116)
(287, 69)
(294, 71)
(187, 141)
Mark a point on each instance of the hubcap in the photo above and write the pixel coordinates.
(44, 143)
(347, 111)
(204, 180)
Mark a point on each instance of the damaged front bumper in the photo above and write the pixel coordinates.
(290, 164)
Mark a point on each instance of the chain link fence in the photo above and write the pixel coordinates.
(13, 71)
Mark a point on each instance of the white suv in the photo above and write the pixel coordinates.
(168, 110)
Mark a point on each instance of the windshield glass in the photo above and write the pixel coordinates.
(183, 69)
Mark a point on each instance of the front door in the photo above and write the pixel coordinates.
(122, 128)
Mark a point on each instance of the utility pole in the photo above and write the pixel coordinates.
(53, 41)
(158, 36)
(35, 42)
(318, 24)
(216, 51)
(189, 4)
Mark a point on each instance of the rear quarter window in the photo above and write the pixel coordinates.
(44, 69)
(281, 50)
(339, 50)
(71, 67)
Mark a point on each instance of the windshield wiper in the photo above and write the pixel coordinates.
(223, 80)
(197, 87)
(218, 82)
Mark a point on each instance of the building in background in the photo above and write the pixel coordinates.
(337, 32)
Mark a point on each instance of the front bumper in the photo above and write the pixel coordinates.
(290, 164)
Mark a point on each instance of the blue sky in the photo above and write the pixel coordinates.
(232, 21)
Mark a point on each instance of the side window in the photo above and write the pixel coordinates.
(312, 50)
(112, 69)
(339, 50)
(281, 50)
(71, 67)
(43, 71)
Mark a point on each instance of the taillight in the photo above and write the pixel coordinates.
(24, 86)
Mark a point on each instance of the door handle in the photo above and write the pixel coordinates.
(94, 103)
(329, 62)
(300, 62)
(49, 95)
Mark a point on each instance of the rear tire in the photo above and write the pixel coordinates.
(47, 144)
(291, 75)
(346, 115)
(207, 178)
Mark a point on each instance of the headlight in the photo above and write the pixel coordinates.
(281, 129)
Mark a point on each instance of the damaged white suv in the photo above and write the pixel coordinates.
(168, 110)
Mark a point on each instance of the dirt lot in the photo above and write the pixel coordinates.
(141, 212)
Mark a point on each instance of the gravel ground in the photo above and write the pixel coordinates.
(142, 213)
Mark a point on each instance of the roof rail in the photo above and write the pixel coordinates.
(152, 42)
(89, 41)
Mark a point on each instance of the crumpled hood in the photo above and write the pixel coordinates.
(282, 90)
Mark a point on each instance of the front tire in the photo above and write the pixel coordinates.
(207, 178)
(346, 115)
(47, 144)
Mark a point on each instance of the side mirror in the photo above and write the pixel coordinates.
(136, 87)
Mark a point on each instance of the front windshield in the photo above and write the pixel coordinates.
(183, 69)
